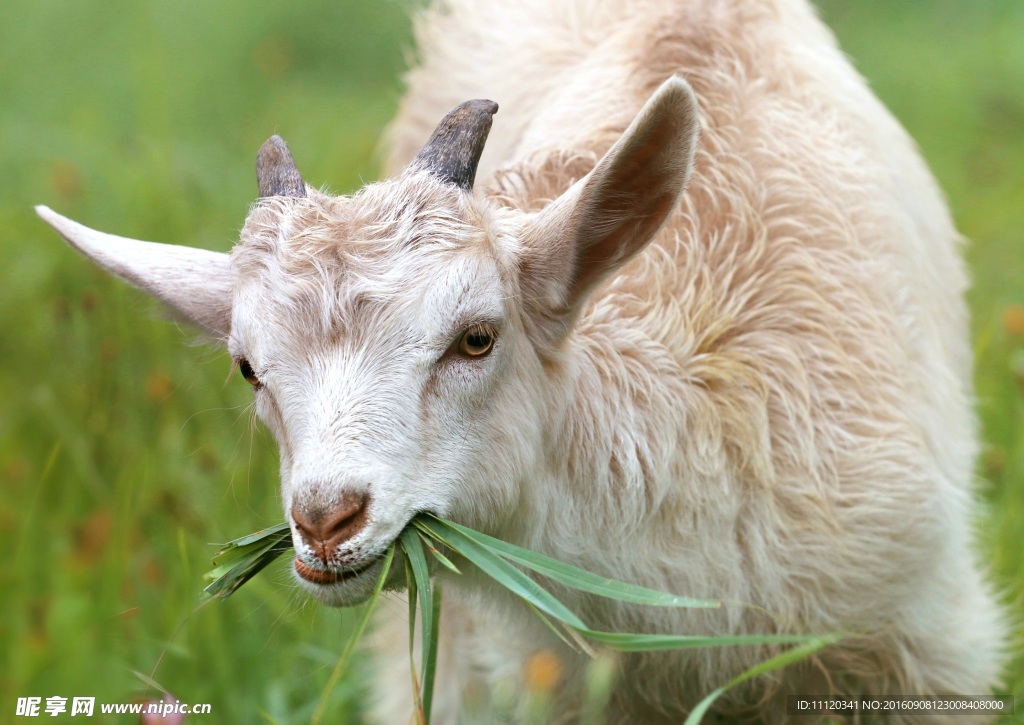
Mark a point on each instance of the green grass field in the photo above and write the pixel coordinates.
(125, 451)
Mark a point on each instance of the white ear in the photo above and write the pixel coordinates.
(614, 211)
(197, 284)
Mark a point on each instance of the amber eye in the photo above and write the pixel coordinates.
(246, 369)
(477, 341)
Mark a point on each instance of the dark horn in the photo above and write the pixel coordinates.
(453, 150)
(276, 174)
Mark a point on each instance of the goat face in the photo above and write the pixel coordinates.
(378, 335)
(407, 345)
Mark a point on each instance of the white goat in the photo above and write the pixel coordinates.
(758, 391)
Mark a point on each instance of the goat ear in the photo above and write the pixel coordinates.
(197, 284)
(615, 211)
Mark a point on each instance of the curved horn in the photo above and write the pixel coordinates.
(276, 174)
(453, 150)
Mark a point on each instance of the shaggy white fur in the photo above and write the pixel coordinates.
(757, 392)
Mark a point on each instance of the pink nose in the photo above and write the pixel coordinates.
(324, 530)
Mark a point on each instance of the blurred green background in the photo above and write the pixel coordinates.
(124, 450)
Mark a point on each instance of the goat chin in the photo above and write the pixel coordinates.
(692, 318)
(345, 590)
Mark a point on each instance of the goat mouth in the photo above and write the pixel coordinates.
(328, 576)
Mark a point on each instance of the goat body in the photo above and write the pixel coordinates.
(758, 391)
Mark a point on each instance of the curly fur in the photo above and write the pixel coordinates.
(771, 403)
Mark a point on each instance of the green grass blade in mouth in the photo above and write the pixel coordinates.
(458, 537)
(572, 576)
(240, 560)
(421, 574)
(554, 627)
(412, 598)
(257, 537)
(626, 642)
(445, 561)
(430, 662)
(503, 572)
(417, 559)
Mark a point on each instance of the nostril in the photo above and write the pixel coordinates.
(344, 521)
(325, 528)
(307, 529)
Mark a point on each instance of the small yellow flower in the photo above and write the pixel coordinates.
(158, 386)
(543, 671)
(1013, 320)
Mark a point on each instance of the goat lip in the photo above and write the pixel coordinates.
(327, 576)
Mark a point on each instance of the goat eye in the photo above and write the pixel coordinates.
(477, 341)
(247, 372)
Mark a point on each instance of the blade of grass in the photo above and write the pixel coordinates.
(627, 642)
(777, 662)
(417, 559)
(234, 558)
(412, 594)
(150, 682)
(242, 559)
(505, 574)
(356, 636)
(553, 627)
(430, 666)
(270, 531)
(457, 537)
(239, 572)
(575, 577)
(445, 561)
(421, 574)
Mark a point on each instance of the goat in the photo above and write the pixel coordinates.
(757, 390)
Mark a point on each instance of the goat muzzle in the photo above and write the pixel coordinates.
(326, 530)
